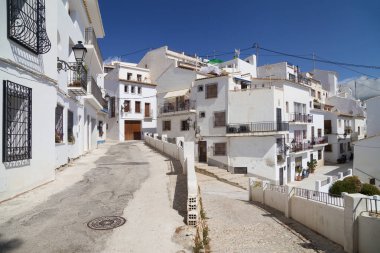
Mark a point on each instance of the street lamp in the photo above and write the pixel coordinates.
(79, 54)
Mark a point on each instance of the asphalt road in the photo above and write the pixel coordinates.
(59, 224)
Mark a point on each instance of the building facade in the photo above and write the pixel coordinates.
(47, 116)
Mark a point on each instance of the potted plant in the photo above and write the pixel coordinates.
(298, 171)
(312, 165)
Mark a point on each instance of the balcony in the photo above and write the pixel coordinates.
(174, 107)
(300, 118)
(300, 146)
(257, 127)
(77, 80)
(91, 40)
(347, 130)
(319, 140)
(94, 95)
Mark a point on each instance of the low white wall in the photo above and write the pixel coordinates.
(369, 231)
(325, 219)
(185, 155)
(325, 188)
(275, 200)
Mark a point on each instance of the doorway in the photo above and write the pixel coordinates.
(202, 151)
(281, 170)
(132, 130)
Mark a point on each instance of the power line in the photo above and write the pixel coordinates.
(324, 61)
(137, 51)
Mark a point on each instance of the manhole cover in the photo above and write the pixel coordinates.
(106, 222)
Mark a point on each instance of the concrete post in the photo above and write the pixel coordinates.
(250, 185)
(188, 155)
(289, 194)
(265, 185)
(164, 137)
(155, 136)
(353, 206)
(317, 185)
(349, 172)
(340, 175)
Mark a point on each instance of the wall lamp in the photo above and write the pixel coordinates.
(79, 54)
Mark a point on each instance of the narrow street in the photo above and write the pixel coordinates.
(237, 225)
(118, 179)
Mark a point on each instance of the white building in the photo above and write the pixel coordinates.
(367, 151)
(132, 97)
(46, 117)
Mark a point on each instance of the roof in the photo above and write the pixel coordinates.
(176, 93)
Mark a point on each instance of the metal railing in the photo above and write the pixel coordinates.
(90, 39)
(296, 147)
(299, 117)
(77, 78)
(276, 188)
(269, 126)
(319, 140)
(322, 197)
(372, 205)
(178, 107)
(97, 93)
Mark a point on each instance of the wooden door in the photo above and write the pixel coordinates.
(202, 151)
(132, 130)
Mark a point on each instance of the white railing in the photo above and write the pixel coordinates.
(324, 185)
(184, 152)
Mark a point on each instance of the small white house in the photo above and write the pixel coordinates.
(367, 151)
(132, 101)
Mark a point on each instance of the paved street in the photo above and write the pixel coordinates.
(237, 225)
(121, 179)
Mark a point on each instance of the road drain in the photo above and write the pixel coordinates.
(106, 222)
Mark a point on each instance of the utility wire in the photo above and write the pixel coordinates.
(324, 61)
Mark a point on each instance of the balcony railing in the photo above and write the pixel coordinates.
(300, 146)
(269, 126)
(90, 39)
(77, 79)
(319, 140)
(347, 130)
(178, 107)
(299, 117)
(97, 93)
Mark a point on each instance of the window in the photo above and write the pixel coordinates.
(127, 106)
(219, 119)
(358, 130)
(341, 148)
(349, 146)
(312, 93)
(292, 77)
(26, 25)
(70, 126)
(58, 124)
(137, 106)
(133, 89)
(319, 132)
(129, 76)
(220, 149)
(112, 107)
(166, 125)
(147, 112)
(202, 114)
(185, 126)
(17, 122)
(287, 106)
(200, 88)
(339, 122)
(319, 154)
(304, 133)
(212, 90)
(139, 90)
(328, 148)
(126, 88)
(139, 78)
(319, 94)
(100, 128)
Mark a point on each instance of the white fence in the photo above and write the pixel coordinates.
(331, 216)
(324, 185)
(184, 152)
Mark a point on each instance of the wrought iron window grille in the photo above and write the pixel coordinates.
(27, 25)
(17, 122)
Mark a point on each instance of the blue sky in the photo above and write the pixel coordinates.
(341, 30)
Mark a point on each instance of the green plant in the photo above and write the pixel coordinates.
(349, 185)
(312, 165)
(71, 138)
(370, 190)
(206, 240)
(299, 170)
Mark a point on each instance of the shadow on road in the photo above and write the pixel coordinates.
(311, 239)
(9, 245)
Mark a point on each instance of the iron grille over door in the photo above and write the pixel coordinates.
(26, 24)
(17, 122)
